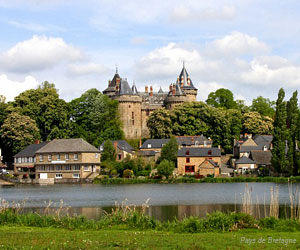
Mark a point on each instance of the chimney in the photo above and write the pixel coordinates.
(37, 142)
(115, 144)
(140, 142)
(151, 91)
(146, 89)
(192, 140)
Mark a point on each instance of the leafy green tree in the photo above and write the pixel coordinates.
(240, 105)
(263, 106)
(18, 131)
(292, 120)
(159, 124)
(222, 98)
(170, 150)
(280, 135)
(165, 168)
(254, 123)
(49, 111)
(109, 152)
(90, 112)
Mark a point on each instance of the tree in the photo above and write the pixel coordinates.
(254, 123)
(280, 135)
(90, 112)
(240, 105)
(109, 152)
(263, 106)
(49, 111)
(222, 98)
(160, 124)
(165, 168)
(18, 131)
(170, 150)
(292, 120)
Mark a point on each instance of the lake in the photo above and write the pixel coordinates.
(166, 200)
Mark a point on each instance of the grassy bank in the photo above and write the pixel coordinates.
(194, 180)
(21, 237)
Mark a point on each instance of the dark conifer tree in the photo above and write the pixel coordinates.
(280, 135)
(292, 120)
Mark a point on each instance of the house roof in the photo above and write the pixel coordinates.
(261, 157)
(244, 160)
(244, 149)
(147, 153)
(68, 145)
(30, 150)
(199, 152)
(121, 144)
(155, 143)
(214, 164)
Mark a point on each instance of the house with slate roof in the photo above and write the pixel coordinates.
(123, 149)
(24, 161)
(135, 107)
(152, 147)
(67, 159)
(200, 161)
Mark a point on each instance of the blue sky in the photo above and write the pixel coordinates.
(248, 46)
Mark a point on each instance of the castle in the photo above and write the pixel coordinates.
(135, 107)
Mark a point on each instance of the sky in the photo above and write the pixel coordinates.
(248, 46)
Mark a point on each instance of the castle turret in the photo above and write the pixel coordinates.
(113, 85)
(130, 110)
(176, 96)
(187, 85)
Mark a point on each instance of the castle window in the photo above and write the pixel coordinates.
(187, 152)
(132, 115)
(187, 160)
(209, 152)
(129, 106)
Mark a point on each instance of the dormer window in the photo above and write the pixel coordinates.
(149, 145)
(187, 152)
(209, 152)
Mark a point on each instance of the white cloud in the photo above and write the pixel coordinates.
(86, 69)
(11, 88)
(38, 53)
(184, 13)
(237, 43)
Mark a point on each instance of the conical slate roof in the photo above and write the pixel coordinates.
(134, 89)
(185, 80)
(160, 91)
(124, 88)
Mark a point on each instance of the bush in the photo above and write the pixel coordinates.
(165, 168)
(127, 173)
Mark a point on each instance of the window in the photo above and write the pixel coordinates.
(58, 157)
(187, 160)
(41, 157)
(34, 160)
(20, 159)
(75, 157)
(205, 143)
(58, 167)
(209, 152)
(187, 152)
(58, 176)
(189, 169)
(96, 155)
(129, 106)
(119, 157)
(76, 167)
(76, 175)
(30, 159)
(68, 167)
(147, 112)
(49, 157)
(132, 115)
(67, 157)
(149, 145)
(86, 168)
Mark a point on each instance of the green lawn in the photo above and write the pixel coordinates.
(19, 237)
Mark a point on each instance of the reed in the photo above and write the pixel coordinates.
(274, 203)
(247, 200)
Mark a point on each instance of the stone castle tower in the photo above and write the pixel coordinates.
(135, 107)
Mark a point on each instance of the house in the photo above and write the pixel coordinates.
(245, 165)
(152, 147)
(202, 161)
(24, 161)
(123, 149)
(67, 159)
(262, 160)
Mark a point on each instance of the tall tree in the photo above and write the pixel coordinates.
(18, 131)
(292, 120)
(280, 135)
(109, 152)
(263, 106)
(222, 98)
(254, 123)
(160, 124)
(49, 111)
(170, 150)
(90, 113)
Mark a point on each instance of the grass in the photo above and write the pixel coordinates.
(21, 237)
(191, 179)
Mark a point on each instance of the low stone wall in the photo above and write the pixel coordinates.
(73, 180)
